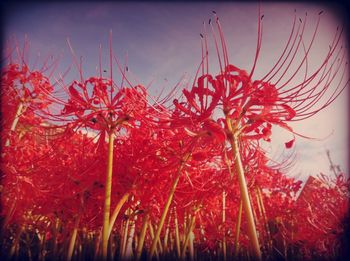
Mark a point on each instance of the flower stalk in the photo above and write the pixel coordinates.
(245, 198)
(177, 235)
(223, 223)
(191, 245)
(116, 212)
(167, 205)
(125, 235)
(187, 236)
(151, 231)
(238, 227)
(252, 234)
(166, 237)
(130, 238)
(107, 205)
(19, 112)
(261, 203)
(73, 239)
(142, 237)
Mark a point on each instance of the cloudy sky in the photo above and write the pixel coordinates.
(162, 44)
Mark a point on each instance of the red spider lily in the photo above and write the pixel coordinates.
(178, 173)
(98, 112)
(99, 104)
(36, 170)
(25, 92)
(43, 191)
(250, 108)
(255, 106)
(19, 81)
(321, 232)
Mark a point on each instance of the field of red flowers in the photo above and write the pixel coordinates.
(96, 169)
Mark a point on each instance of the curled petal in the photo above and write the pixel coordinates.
(290, 111)
(215, 130)
(289, 144)
(75, 94)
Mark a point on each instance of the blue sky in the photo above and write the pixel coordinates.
(161, 41)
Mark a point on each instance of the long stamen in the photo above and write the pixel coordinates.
(281, 77)
(111, 65)
(216, 46)
(75, 60)
(306, 54)
(258, 44)
(100, 60)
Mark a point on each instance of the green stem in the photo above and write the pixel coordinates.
(187, 236)
(245, 198)
(151, 231)
(130, 238)
(56, 227)
(15, 121)
(73, 239)
(261, 202)
(167, 205)
(42, 251)
(177, 236)
(238, 227)
(191, 247)
(224, 224)
(166, 237)
(116, 212)
(142, 237)
(125, 235)
(107, 205)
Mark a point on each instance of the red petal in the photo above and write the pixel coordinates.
(290, 143)
(215, 130)
(290, 111)
(75, 94)
(199, 156)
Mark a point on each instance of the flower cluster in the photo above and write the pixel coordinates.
(115, 173)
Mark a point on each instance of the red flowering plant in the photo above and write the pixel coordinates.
(141, 162)
(78, 196)
(200, 139)
(39, 196)
(19, 192)
(191, 175)
(199, 188)
(25, 90)
(319, 215)
(273, 194)
(203, 193)
(177, 159)
(103, 107)
(222, 222)
(153, 156)
(250, 107)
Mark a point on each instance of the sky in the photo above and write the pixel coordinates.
(161, 44)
